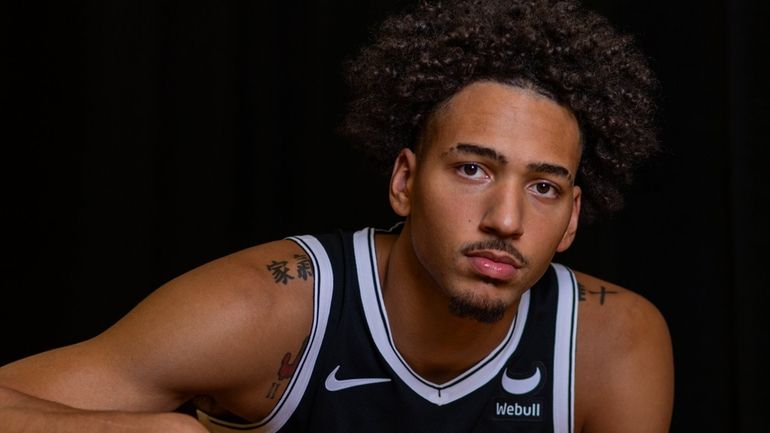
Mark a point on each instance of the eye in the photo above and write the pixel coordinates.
(545, 189)
(472, 170)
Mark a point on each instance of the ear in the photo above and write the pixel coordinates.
(401, 181)
(569, 233)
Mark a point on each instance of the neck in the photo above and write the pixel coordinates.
(437, 344)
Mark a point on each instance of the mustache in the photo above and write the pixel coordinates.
(497, 245)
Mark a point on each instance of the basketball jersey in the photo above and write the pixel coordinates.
(352, 379)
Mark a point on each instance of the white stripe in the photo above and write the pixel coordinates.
(564, 352)
(323, 285)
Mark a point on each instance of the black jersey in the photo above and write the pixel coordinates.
(352, 379)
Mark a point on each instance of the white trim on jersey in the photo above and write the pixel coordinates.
(564, 351)
(323, 287)
(377, 319)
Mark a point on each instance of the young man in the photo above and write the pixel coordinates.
(506, 121)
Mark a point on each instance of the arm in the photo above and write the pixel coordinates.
(624, 378)
(21, 412)
(218, 331)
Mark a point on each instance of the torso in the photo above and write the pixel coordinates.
(387, 370)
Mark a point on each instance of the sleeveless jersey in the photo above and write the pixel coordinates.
(352, 379)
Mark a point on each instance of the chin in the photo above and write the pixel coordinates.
(477, 307)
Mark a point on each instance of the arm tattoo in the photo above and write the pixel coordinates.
(273, 389)
(282, 272)
(602, 292)
(287, 369)
(304, 269)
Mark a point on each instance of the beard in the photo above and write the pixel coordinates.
(471, 306)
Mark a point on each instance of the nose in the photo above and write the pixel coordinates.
(504, 212)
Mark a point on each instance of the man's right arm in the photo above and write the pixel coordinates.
(21, 412)
(220, 330)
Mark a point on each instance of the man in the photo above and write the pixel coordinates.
(506, 121)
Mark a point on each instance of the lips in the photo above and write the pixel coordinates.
(495, 266)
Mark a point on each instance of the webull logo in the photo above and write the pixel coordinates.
(529, 411)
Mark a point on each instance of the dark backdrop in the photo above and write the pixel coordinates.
(144, 138)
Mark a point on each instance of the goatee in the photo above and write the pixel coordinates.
(473, 307)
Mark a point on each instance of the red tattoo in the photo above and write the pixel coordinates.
(287, 368)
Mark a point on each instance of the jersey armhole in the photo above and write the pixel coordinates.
(323, 285)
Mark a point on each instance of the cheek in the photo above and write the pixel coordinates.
(451, 213)
(549, 227)
(441, 220)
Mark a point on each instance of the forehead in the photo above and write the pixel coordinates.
(519, 124)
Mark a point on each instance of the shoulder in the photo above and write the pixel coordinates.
(615, 310)
(225, 328)
(624, 366)
(252, 281)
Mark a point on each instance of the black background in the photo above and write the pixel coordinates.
(144, 138)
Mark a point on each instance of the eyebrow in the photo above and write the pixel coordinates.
(537, 167)
(544, 167)
(480, 151)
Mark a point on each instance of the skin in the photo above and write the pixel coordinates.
(497, 163)
(479, 178)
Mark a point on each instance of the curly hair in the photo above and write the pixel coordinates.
(421, 58)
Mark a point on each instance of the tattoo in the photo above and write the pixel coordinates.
(273, 390)
(280, 271)
(287, 369)
(304, 269)
(602, 294)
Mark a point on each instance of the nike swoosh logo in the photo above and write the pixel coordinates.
(334, 384)
(521, 386)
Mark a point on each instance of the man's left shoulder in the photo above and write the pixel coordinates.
(614, 312)
(624, 362)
